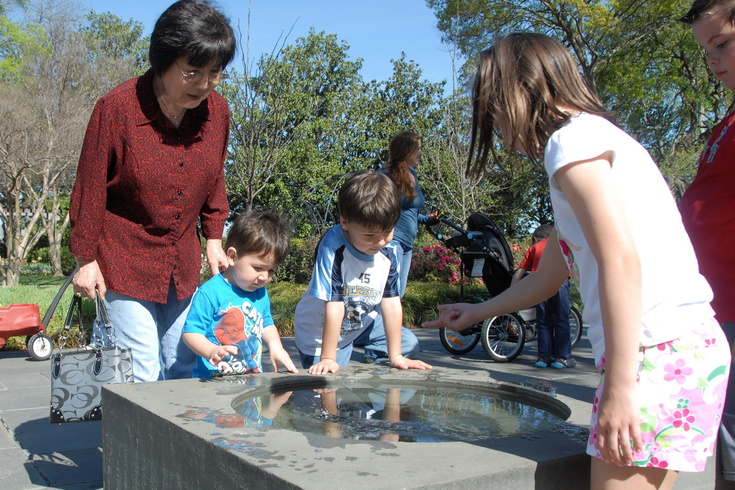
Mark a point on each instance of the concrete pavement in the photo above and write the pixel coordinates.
(36, 454)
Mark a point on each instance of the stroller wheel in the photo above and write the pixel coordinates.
(460, 342)
(503, 337)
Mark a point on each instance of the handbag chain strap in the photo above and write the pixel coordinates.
(100, 338)
(103, 319)
(64, 333)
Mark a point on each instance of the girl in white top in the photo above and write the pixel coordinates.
(663, 359)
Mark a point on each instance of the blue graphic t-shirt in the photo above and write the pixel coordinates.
(228, 315)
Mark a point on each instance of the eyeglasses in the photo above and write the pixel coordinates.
(197, 77)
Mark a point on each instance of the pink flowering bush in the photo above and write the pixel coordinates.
(519, 251)
(435, 263)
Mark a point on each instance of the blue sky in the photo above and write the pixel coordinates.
(376, 30)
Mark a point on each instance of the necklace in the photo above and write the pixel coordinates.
(176, 119)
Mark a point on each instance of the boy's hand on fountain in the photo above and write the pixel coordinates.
(324, 366)
(401, 362)
(457, 316)
(280, 356)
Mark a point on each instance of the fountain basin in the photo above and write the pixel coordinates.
(191, 433)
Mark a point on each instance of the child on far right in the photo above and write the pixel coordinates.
(708, 205)
(663, 359)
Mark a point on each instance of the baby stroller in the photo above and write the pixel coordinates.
(485, 253)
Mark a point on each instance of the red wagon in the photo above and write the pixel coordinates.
(25, 319)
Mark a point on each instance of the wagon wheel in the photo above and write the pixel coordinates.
(39, 346)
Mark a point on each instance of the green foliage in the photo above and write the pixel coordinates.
(422, 298)
(41, 290)
(17, 43)
(284, 297)
(642, 62)
(107, 35)
(298, 266)
(68, 262)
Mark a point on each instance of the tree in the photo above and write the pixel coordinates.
(290, 128)
(644, 65)
(57, 87)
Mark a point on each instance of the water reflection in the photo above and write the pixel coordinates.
(391, 413)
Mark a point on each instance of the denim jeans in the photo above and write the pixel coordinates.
(404, 266)
(375, 344)
(153, 332)
(552, 324)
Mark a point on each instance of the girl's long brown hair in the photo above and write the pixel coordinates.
(526, 87)
(402, 146)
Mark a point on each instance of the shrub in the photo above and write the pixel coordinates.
(298, 266)
(38, 255)
(68, 262)
(519, 249)
(37, 269)
(284, 297)
(435, 263)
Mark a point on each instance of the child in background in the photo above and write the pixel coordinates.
(552, 315)
(708, 205)
(230, 314)
(662, 357)
(353, 296)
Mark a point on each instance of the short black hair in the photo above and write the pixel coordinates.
(260, 232)
(194, 29)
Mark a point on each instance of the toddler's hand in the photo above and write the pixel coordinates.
(220, 352)
(324, 367)
(282, 357)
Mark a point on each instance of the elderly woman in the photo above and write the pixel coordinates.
(150, 179)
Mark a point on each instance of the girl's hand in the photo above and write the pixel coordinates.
(457, 316)
(324, 366)
(618, 426)
(401, 362)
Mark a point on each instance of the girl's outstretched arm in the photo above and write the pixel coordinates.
(537, 287)
(589, 187)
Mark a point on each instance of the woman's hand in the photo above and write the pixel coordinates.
(88, 278)
(216, 257)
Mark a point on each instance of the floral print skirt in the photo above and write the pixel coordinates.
(681, 392)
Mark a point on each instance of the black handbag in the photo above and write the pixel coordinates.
(78, 374)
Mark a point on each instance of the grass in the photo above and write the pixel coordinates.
(41, 290)
(419, 303)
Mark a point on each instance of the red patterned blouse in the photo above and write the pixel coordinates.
(142, 188)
